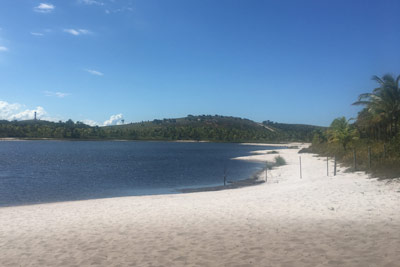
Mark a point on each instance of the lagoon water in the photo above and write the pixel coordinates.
(50, 171)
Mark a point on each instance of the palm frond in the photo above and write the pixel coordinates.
(377, 79)
(359, 103)
(363, 96)
(388, 79)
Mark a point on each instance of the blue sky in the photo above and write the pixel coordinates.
(104, 60)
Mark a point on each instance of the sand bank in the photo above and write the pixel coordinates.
(319, 220)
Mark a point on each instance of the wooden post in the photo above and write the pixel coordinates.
(355, 159)
(301, 176)
(266, 171)
(369, 157)
(334, 167)
(224, 175)
(327, 166)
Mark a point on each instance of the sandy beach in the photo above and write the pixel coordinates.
(319, 220)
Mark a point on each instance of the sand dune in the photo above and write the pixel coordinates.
(347, 220)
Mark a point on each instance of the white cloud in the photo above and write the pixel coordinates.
(56, 94)
(7, 109)
(94, 72)
(110, 6)
(61, 95)
(91, 2)
(114, 120)
(3, 49)
(44, 8)
(29, 114)
(72, 31)
(119, 10)
(77, 32)
(15, 112)
(37, 33)
(90, 122)
(83, 31)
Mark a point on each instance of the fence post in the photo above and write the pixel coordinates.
(225, 175)
(369, 157)
(301, 176)
(327, 166)
(266, 171)
(355, 159)
(334, 167)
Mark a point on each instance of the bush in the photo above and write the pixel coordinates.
(279, 161)
(305, 150)
(385, 156)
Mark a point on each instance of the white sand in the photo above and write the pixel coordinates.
(347, 220)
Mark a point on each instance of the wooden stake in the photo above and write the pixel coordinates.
(301, 176)
(327, 166)
(334, 167)
(369, 157)
(355, 159)
(224, 175)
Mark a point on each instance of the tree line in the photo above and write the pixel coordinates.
(202, 128)
(374, 133)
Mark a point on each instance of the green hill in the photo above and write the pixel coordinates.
(294, 132)
(202, 128)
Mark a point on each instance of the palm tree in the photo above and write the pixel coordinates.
(383, 103)
(341, 132)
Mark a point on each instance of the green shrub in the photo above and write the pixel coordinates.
(305, 150)
(385, 156)
(279, 161)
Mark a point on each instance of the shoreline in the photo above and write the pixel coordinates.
(252, 178)
(252, 181)
(318, 220)
(137, 140)
(258, 177)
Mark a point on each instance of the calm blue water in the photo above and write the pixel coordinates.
(50, 171)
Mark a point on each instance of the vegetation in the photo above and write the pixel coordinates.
(203, 128)
(279, 161)
(293, 132)
(46, 129)
(341, 132)
(380, 117)
(373, 138)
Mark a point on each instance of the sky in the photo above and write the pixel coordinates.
(101, 61)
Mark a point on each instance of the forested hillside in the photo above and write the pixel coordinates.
(294, 132)
(203, 128)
